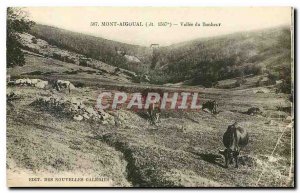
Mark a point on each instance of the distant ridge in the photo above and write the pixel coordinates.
(91, 46)
(202, 61)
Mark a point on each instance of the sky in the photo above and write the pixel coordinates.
(232, 20)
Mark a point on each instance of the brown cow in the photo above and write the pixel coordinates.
(234, 139)
(154, 108)
(211, 106)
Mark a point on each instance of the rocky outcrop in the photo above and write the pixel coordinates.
(74, 108)
(31, 82)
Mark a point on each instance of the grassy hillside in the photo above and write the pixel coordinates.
(181, 151)
(108, 51)
(199, 62)
(204, 61)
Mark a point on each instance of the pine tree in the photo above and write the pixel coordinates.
(17, 22)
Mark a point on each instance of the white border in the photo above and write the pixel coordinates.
(208, 3)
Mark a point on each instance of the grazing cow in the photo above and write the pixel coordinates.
(154, 113)
(234, 139)
(154, 108)
(211, 106)
(63, 84)
(253, 111)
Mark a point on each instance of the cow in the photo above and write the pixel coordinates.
(154, 113)
(63, 84)
(234, 139)
(154, 110)
(211, 106)
(253, 111)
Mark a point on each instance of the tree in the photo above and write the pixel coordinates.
(17, 22)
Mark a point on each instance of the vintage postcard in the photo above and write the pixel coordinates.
(150, 97)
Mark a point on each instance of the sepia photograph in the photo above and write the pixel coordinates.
(150, 97)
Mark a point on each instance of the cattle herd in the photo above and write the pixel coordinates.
(234, 138)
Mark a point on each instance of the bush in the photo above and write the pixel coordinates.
(282, 73)
(34, 40)
(78, 84)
